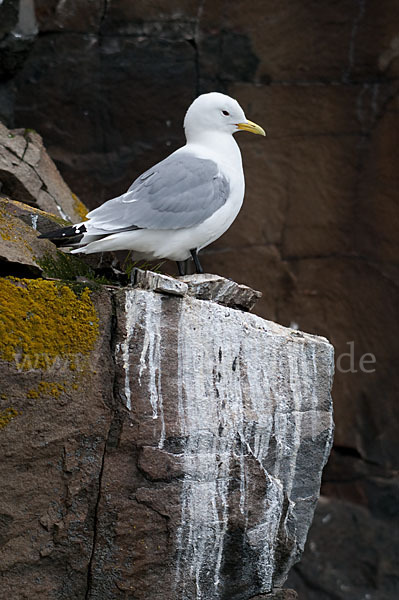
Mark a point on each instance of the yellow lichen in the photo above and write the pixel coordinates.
(79, 207)
(4, 225)
(41, 321)
(46, 388)
(7, 415)
(26, 207)
(13, 229)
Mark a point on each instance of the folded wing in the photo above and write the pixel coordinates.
(181, 191)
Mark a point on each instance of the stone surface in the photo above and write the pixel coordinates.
(28, 174)
(345, 525)
(358, 514)
(52, 448)
(175, 446)
(17, 33)
(210, 486)
(147, 280)
(106, 84)
(277, 594)
(37, 219)
(75, 15)
(221, 290)
(205, 286)
(23, 254)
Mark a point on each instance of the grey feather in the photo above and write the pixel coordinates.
(180, 191)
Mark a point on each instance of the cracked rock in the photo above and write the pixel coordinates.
(210, 489)
(28, 174)
(207, 286)
(148, 280)
(192, 470)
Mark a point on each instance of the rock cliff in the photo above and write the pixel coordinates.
(158, 440)
(156, 445)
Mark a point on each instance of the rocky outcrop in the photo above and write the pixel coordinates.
(173, 442)
(228, 424)
(54, 376)
(156, 445)
(23, 254)
(27, 174)
(35, 199)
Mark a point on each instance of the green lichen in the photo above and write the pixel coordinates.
(41, 320)
(6, 416)
(68, 267)
(65, 266)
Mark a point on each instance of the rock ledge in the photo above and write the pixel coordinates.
(204, 286)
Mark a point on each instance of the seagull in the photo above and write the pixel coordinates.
(183, 203)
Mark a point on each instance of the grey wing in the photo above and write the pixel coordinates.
(181, 191)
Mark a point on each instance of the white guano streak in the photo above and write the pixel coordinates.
(143, 311)
(229, 416)
(34, 219)
(130, 315)
(210, 412)
(150, 358)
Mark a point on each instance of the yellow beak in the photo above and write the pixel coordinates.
(252, 127)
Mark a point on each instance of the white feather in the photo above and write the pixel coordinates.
(209, 136)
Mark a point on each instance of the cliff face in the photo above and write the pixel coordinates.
(159, 441)
(53, 441)
(172, 448)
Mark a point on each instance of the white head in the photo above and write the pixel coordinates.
(216, 112)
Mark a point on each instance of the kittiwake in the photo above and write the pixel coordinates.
(183, 203)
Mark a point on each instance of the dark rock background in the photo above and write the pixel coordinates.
(107, 82)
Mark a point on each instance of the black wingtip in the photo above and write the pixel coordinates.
(65, 236)
(72, 231)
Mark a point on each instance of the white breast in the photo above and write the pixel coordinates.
(224, 151)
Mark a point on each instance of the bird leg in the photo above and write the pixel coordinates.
(197, 263)
(181, 265)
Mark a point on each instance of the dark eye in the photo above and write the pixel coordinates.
(225, 113)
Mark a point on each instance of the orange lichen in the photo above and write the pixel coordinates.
(41, 320)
